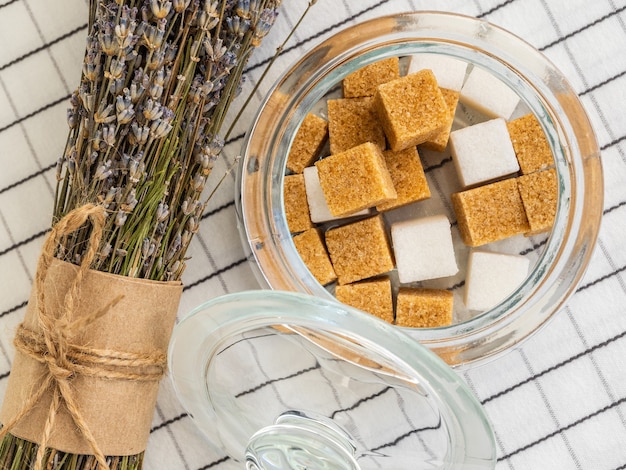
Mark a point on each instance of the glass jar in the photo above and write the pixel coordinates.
(542, 89)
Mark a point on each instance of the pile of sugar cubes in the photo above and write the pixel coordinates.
(360, 160)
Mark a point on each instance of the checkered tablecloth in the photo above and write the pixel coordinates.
(556, 402)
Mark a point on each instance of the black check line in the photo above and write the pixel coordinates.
(495, 8)
(361, 401)
(436, 166)
(169, 422)
(563, 429)
(216, 463)
(234, 139)
(24, 242)
(43, 46)
(406, 435)
(603, 83)
(458, 285)
(8, 3)
(279, 379)
(245, 339)
(218, 209)
(535, 247)
(4, 376)
(164, 424)
(554, 367)
(580, 30)
(613, 143)
(602, 278)
(13, 309)
(216, 273)
(35, 112)
(27, 178)
(616, 206)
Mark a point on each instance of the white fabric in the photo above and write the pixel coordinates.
(556, 402)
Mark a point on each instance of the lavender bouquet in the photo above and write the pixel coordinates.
(158, 79)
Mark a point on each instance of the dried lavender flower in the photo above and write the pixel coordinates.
(157, 80)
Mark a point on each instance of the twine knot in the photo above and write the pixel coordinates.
(54, 345)
(58, 371)
(56, 357)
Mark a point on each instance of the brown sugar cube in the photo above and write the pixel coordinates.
(372, 296)
(359, 250)
(314, 255)
(355, 179)
(296, 207)
(364, 81)
(351, 122)
(440, 141)
(424, 308)
(539, 195)
(412, 109)
(308, 143)
(407, 174)
(530, 144)
(490, 212)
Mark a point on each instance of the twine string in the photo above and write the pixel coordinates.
(53, 346)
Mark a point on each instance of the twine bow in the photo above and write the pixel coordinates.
(53, 346)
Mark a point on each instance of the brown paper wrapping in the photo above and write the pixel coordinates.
(118, 412)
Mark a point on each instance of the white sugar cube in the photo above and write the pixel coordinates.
(483, 152)
(423, 249)
(318, 208)
(488, 94)
(449, 72)
(491, 277)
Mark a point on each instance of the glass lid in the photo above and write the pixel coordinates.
(289, 381)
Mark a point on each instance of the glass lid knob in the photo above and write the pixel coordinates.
(298, 440)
